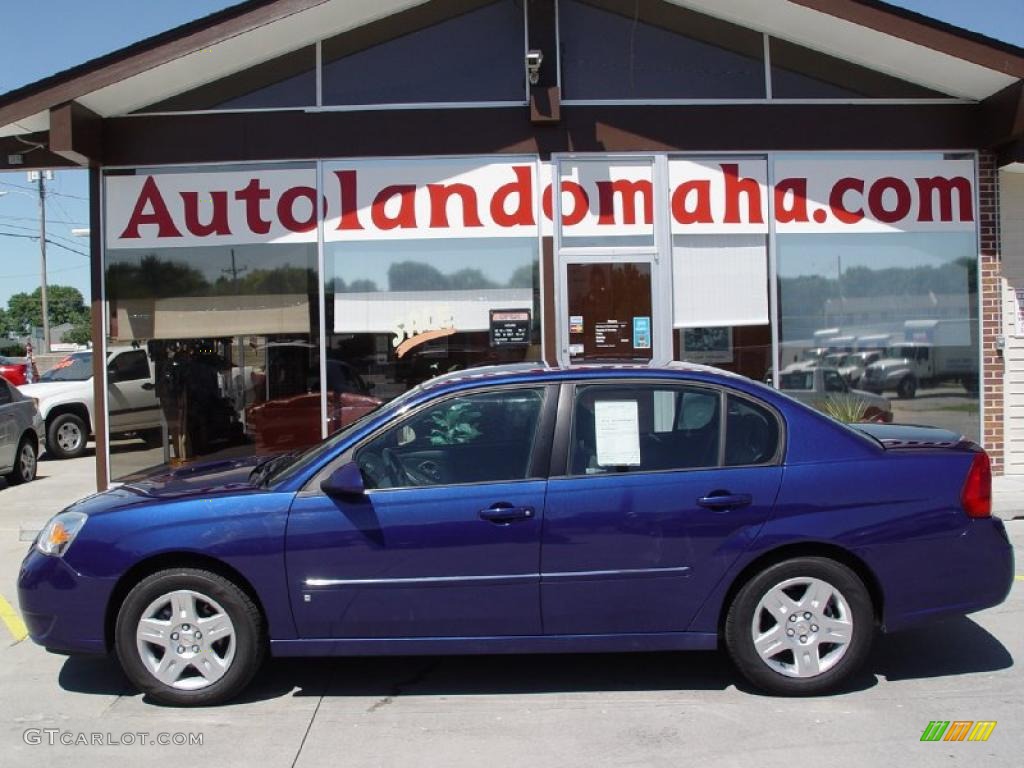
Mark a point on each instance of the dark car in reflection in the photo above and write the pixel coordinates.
(289, 423)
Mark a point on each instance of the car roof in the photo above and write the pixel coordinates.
(540, 371)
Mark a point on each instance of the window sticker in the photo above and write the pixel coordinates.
(617, 429)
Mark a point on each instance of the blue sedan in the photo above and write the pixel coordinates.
(524, 509)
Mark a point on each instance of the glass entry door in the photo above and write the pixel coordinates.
(610, 312)
(612, 252)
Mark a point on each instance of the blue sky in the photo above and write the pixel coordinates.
(77, 31)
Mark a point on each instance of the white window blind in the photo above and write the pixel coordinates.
(719, 280)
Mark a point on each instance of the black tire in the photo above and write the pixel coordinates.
(739, 630)
(66, 436)
(26, 461)
(907, 387)
(249, 637)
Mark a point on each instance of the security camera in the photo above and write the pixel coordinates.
(533, 61)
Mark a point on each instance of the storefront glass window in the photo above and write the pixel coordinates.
(473, 52)
(212, 349)
(623, 50)
(894, 314)
(400, 313)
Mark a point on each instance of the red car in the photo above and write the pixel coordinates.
(290, 423)
(16, 370)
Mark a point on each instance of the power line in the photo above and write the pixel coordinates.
(49, 271)
(36, 219)
(48, 192)
(48, 240)
(49, 237)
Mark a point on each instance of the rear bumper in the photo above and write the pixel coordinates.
(970, 573)
(63, 610)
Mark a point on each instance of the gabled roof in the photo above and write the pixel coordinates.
(867, 32)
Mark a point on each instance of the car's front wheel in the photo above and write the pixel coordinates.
(190, 637)
(800, 627)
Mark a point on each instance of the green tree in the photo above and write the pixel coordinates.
(65, 305)
(81, 333)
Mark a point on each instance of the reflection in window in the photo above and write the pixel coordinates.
(625, 50)
(227, 338)
(402, 312)
(473, 54)
(479, 438)
(284, 81)
(908, 300)
(800, 73)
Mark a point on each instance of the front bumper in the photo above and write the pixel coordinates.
(62, 609)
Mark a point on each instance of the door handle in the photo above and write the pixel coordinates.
(506, 513)
(720, 502)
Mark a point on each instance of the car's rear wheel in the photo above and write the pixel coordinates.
(66, 436)
(189, 637)
(800, 627)
(25, 462)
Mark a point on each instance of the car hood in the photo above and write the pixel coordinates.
(43, 389)
(198, 480)
(204, 479)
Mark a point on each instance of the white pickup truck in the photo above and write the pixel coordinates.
(64, 395)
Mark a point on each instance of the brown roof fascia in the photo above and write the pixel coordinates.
(153, 51)
(1004, 115)
(922, 30)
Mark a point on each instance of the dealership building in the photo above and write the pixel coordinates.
(302, 208)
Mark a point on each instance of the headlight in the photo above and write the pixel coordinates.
(58, 534)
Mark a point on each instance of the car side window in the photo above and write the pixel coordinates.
(131, 366)
(834, 382)
(752, 433)
(644, 428)
(5, 393)
(473, 438)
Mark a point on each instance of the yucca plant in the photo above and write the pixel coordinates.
(458, 424)
(845, 408)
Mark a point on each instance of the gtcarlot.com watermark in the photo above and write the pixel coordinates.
(57, 736)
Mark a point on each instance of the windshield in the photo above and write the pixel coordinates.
(289, 464)
(797, 380)
(898, 352)
(834, 360)
(77, 367)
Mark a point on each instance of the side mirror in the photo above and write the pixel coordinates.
(346, 480)
(111, 374)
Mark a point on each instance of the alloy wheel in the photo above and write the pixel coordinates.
(27, 462)
(186, 640)
(802, 627)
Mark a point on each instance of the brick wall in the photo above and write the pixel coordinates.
(991, 297)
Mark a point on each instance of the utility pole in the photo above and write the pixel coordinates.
(40, 177)
(234, 271)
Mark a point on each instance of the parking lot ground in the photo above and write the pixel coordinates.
(665, 709)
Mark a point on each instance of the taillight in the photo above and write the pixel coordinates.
(976, 497)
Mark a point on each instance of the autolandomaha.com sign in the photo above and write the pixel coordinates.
(460, 198)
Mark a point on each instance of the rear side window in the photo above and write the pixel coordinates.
(5, 393)
(752, 433)
(644, 428)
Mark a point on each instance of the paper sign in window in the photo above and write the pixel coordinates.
(617, 429)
